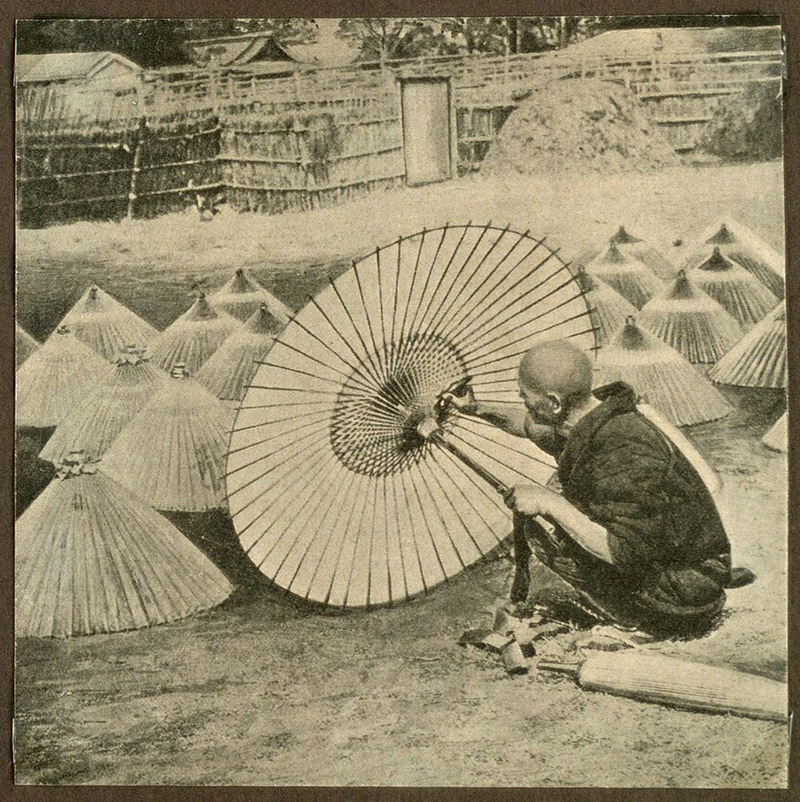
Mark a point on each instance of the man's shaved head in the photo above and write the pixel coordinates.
(557, 367)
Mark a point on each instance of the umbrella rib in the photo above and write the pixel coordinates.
(279, 420)
(365, 496)
(396, 292)
(376, 349)
(413, 532)
(411, 289)
(505, 448)
(427, 525)
(287, 404)
(380, 302)
(396, 509)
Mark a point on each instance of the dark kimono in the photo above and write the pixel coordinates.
(670, 549)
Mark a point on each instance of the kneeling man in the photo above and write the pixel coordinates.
(637, 532)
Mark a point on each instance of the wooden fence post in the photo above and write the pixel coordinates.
(137, 160)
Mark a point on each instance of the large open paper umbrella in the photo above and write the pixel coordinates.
(105, 324)
(334, 491)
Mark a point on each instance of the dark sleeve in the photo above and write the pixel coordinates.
(620, 484)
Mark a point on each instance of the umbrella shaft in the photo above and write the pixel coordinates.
(499, 486)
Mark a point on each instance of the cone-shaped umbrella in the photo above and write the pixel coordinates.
(193, 337)
(56, 378)
(661, 376)
(727, 282)
(228, 371)
(242, 296)
(106, 325)
(91, 557)
(777, 437)
(610, 309)
(94, 424)
(743, 246)
(172, 454)
(638, 249)
(629, 276)
(759, 358)
(25, 345)
(691, 321)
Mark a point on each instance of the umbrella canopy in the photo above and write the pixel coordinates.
(228, 371)
(91, 558)
(638, 249)
(777, 438)
(193, 337)
(94, 424)
(610, 309)
(759, 358)
(24, 344)
(661, 376)
(172, 454)
(691, 321)
(242, 296)
(739, 292)
(56, 378)
(106, 325)
(629, 276)
(334, 491)
(738, 243)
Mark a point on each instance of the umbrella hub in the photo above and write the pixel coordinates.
(374, 425)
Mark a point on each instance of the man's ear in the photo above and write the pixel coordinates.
(555, 400)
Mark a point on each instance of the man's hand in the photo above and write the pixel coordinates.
(464, 400)
(530, 500)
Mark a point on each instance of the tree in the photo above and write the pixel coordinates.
(384, 38)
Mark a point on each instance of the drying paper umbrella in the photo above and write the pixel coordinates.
(737, 242)
(91, 557)
(24, 344)
(691, 321)
(609, 308)
(638, 249)
(335, 494)
(738, 291)
(106, 325)
(777, 438)
(759, 358)
(629, 276)
(95, 423)
(661, 376)
(242, 296)
(193, 337)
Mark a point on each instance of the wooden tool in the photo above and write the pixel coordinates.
(651, 677)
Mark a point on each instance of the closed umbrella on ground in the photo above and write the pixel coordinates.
(56, 378)
(242, 296)
(172, 454)
(661, 376)
(94, 424)
(24, 345)
(777, 437)
(759, 358)
(629, 276)
(609, 308)
(691, 321)
(728, 283)
(638, 249)
(228, 371)
(737, 242)
(106, 325)
(193, 337)
(91, 557)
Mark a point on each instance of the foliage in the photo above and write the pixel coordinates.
(385, 38)
(748, 126)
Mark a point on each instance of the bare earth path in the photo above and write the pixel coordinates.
(262, 692)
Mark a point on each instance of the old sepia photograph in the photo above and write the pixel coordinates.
(401, 402)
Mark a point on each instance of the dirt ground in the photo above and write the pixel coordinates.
(263, 692)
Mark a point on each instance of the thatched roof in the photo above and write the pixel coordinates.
(610, 309)
(635, 247)
(172, 454)
(691, 321)
(105, 324)
(661, 376)
(759, 358)
(242, 296)
(94, 424)
(56, 378)
(739, 243)
(727, 282)
(777, 438)
(24, 345)
(193, 337)
(228, 371)
(91, 557)
(626, 274)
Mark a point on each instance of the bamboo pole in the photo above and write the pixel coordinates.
(137, 160)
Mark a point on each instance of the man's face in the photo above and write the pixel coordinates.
(544, 409)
